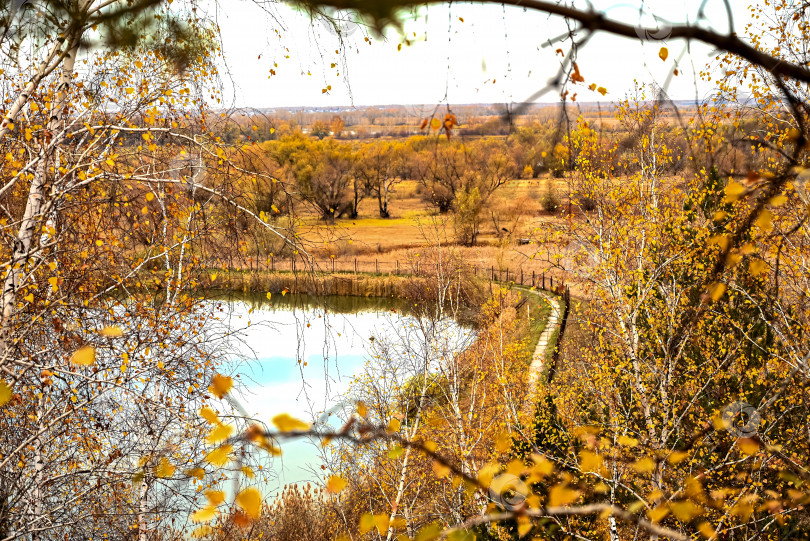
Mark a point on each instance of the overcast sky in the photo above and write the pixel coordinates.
(494, 55)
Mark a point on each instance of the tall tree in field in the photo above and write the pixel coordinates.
(378, 167)
(323, 171)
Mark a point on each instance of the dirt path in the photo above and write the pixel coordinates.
(539, 355)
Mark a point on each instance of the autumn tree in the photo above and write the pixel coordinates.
(323, 172)
(105, 358)
(336, 126)
(379, 168)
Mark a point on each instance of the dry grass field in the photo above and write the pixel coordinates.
(509, 237)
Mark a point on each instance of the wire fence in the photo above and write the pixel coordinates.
(551, 282)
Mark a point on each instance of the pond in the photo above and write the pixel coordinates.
(298, 355)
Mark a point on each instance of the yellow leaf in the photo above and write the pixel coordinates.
(197, 473)
(250, 500)
(716, 290)
(394, 425)
(219, 456)
(435, 123)
(110, 162)
(524, 525)
(429, 532)
(488, 472)
(366, 523)
(112, 332)
(205, 514)
(707, 530)
(396, 452)
(248, 471)
(84, 356)
(636, 506)
(209, 415)
(748, 446)
(285, 423)
(220, 385)
(685, 510)
(733, 192)
(757, 266)
(561, 495)
(627, 441)
(663, 54)
(213, 276)
(602, 90)
(440, 470)
(5, 392)
(215, 497)
(656, 514)
(362, 410)
(542, 466)
(219, 433)
(778, 200)
(503, 442)
(54, 281)
(165, 468)
(335, 484)
(269, 295)
(765, 220)
(720, 240)
(29, 297)
(590, 462)
(150, 196)
(644, 465)
(676, 457)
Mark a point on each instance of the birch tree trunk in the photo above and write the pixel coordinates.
(24, 243)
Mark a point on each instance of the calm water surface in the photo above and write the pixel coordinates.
(298, 355)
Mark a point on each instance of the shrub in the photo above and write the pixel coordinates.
(549, 202)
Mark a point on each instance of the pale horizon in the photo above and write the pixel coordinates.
(450, 61)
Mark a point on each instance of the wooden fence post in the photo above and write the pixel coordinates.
(377, 266)
(355, 265)
(532, 278)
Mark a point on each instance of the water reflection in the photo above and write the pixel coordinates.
(298, 354)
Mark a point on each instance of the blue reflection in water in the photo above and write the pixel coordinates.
(295, 356)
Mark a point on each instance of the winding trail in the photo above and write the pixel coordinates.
(539, 355)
